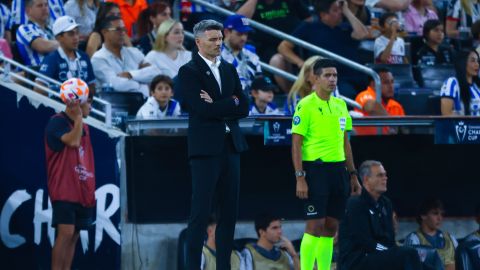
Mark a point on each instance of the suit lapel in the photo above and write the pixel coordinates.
(224, 76)
(205, 71)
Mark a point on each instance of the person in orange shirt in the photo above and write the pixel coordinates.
(130, 9)
(389, 106)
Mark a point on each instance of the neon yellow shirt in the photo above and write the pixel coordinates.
(322, 125)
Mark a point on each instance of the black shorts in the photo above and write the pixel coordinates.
(328, 189)
(72, 214)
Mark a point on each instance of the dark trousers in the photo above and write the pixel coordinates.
(215, 182)
(397, 258)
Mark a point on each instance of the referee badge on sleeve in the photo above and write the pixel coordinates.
(296, 120)
(343, 123)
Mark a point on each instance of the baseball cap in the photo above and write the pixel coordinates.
(63, 24)
(238, 23)
(263, 83)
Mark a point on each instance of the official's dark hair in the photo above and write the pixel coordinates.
(323, 6)
(320, 64)
(103, 10)
(158, 79)
(426, 206)
(107, 22)
(460, 65)
(385, 16)
(263, 220)
(429, 26)
(212, 220)
(144, 25)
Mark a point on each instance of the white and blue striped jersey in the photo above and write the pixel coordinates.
(26, 34)
(451, 89)
(4, 19)
(19, 14)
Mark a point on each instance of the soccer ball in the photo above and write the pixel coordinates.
(74, 89)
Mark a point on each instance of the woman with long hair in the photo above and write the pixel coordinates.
(417, 14)
(168, 54)
(85, 13)
(460, 95)
(148, 23)
(95, 39)
(302, 86)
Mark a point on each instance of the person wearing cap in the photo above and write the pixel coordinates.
(122, 67)
(71, 178)
(67, 61)
(272, 250)
(262, 97)
(323, 162)
(35, 39)
(234, 51)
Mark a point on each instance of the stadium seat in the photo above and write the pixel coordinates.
(418, 101)
(467, 256)
(432, 77)
(240, 243)
(402, 74)
(429, 257)
(182, 250)
(129, 102)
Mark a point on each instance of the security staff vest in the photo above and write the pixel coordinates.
(211, 260)
(262, 263)
(447, 253)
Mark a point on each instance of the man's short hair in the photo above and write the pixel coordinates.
(107, 22)
(320, 64)
(378, 70)
(29, 3)
(200, 28)
(212, 220)
(263, 220)
(385, 16)
(365, 168)
(323, 6)
(426, 206)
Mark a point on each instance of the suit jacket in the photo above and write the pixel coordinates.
(206, 124)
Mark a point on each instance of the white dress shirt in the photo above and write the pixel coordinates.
(214, 67)
(106, 67)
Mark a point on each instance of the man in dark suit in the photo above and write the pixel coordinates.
(212, 94)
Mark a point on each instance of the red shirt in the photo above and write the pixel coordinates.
(130, 12)
(392, 107)
(71, 171)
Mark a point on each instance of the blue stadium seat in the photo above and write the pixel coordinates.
(129, 102)
(182, 250)
(429, 257)
(432, 77)
(418, 101)
(467, 256)
(402, 74)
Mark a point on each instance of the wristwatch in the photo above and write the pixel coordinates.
(300, 173)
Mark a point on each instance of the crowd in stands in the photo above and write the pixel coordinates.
(128, 43)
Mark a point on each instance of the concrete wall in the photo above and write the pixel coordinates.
(154, 246)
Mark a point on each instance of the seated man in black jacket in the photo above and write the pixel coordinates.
(366, 235)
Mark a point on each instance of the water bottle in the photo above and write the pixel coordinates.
(107, 87)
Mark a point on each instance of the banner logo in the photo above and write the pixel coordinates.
(461, 131)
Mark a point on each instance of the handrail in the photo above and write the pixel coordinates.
(303, 44)
(108, 107)
(288, 76)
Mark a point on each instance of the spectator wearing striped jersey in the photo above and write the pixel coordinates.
(20, 16)
(430, 217)
(160, 103)
(119, 66)
(475, 236)
(262, 97)
(5, 21)
(461, 14)
(35, 39)
(235, 51)
(67, 61)
(460, 95)
(272, 250)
